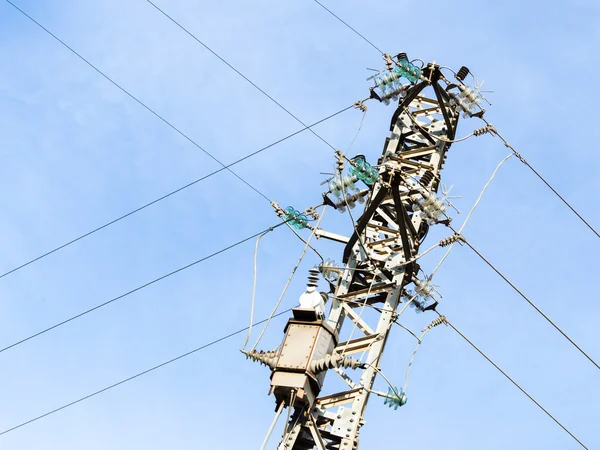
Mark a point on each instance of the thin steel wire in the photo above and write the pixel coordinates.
(412, 358)
(404, 327)
(533, 305)
(254, 276)
(516, 384)
(351, 28)
(139, 288)
(524, 161)
(430, 327)
(138, 101)
(93, 394)
(193, 36)
(125, 91)
(305, 241)
(186, 186)
(362, 119)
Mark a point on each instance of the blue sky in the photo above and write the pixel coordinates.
(77, 152)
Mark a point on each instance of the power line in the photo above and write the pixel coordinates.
(39, 333)
(524, 161)
(483, 258)
(237, 71)
(515, 383)
(95, 230)
(216, 341)
(130, 95)
(170, 125)
(350, 27)
(251, 237)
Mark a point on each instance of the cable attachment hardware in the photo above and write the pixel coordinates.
(435, 322)
(277, 208)
(340, 161)
(335, 361)
(517, 154)
(360, 105)
(389, 62)
(268, 359)
(483, 130)
(452, 239)
(395, 398)
(312, 213)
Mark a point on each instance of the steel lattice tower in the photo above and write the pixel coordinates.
(380, 264)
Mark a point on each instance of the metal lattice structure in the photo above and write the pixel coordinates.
(380, 264)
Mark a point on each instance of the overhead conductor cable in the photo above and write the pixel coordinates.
(224, 167)
(133, 377)
(347, 25)
(524, 161)
(193, 36)
(139, 288)
(515, 383)
(138, 101)
(518, 291)
(462, 239)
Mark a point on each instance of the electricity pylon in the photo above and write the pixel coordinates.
(380, 261)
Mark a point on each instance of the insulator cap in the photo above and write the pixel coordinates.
(426, 178)
(295, 218)
(402, 56)
(313, 277)
(462, 73)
